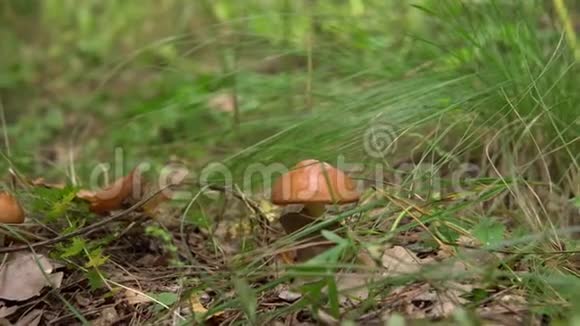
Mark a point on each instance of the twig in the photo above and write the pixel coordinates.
(83, 231)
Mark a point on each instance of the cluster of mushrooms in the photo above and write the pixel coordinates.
(310, 183)
(314, 185)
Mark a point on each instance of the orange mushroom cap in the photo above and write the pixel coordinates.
(312, 181)
(10, 210)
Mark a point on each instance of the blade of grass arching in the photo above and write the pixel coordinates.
(232, 303)
(4, 129)
(562, 11)
(333, 295)
(554, 120)
(247, 299)
(327, 132)
(309, 45)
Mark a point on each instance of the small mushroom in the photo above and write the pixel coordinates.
(314, 184)
(10, 210)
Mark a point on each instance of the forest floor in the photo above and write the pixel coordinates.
(144, 158)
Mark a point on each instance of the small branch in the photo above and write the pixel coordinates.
(83, 231)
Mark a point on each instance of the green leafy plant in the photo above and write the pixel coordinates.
(489, 231)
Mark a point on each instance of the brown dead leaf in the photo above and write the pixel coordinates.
(365, 258)
(353, 287)
(398, 260)
(10, 209)
(443, 302)
(134, 298)
(108, 316)
(326, 319)
(421, 301)
(510, 309)
(83, 300)
(22, 279)
(112, 198)
(30, 319)
(289, 296)
(7, 311)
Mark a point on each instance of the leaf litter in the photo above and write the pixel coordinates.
(422, 294)
(24, 275)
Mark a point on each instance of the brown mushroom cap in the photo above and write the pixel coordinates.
(10, 210)
(312, 181)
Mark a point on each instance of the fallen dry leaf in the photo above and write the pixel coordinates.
(421, 301)
(108, 316)
(30, 319)
(196, 306)
(398, 260)
(10, 209)
(365, 258)
(289, 296)
(21, 278)
(7, 311)
(507, 310)
(326, 319)
(443, 302)
(134, 298)
(353, 287)
(112, 198)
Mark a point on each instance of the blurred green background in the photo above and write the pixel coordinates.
(276, 81)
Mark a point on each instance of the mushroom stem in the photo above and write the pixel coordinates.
(315, 209)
